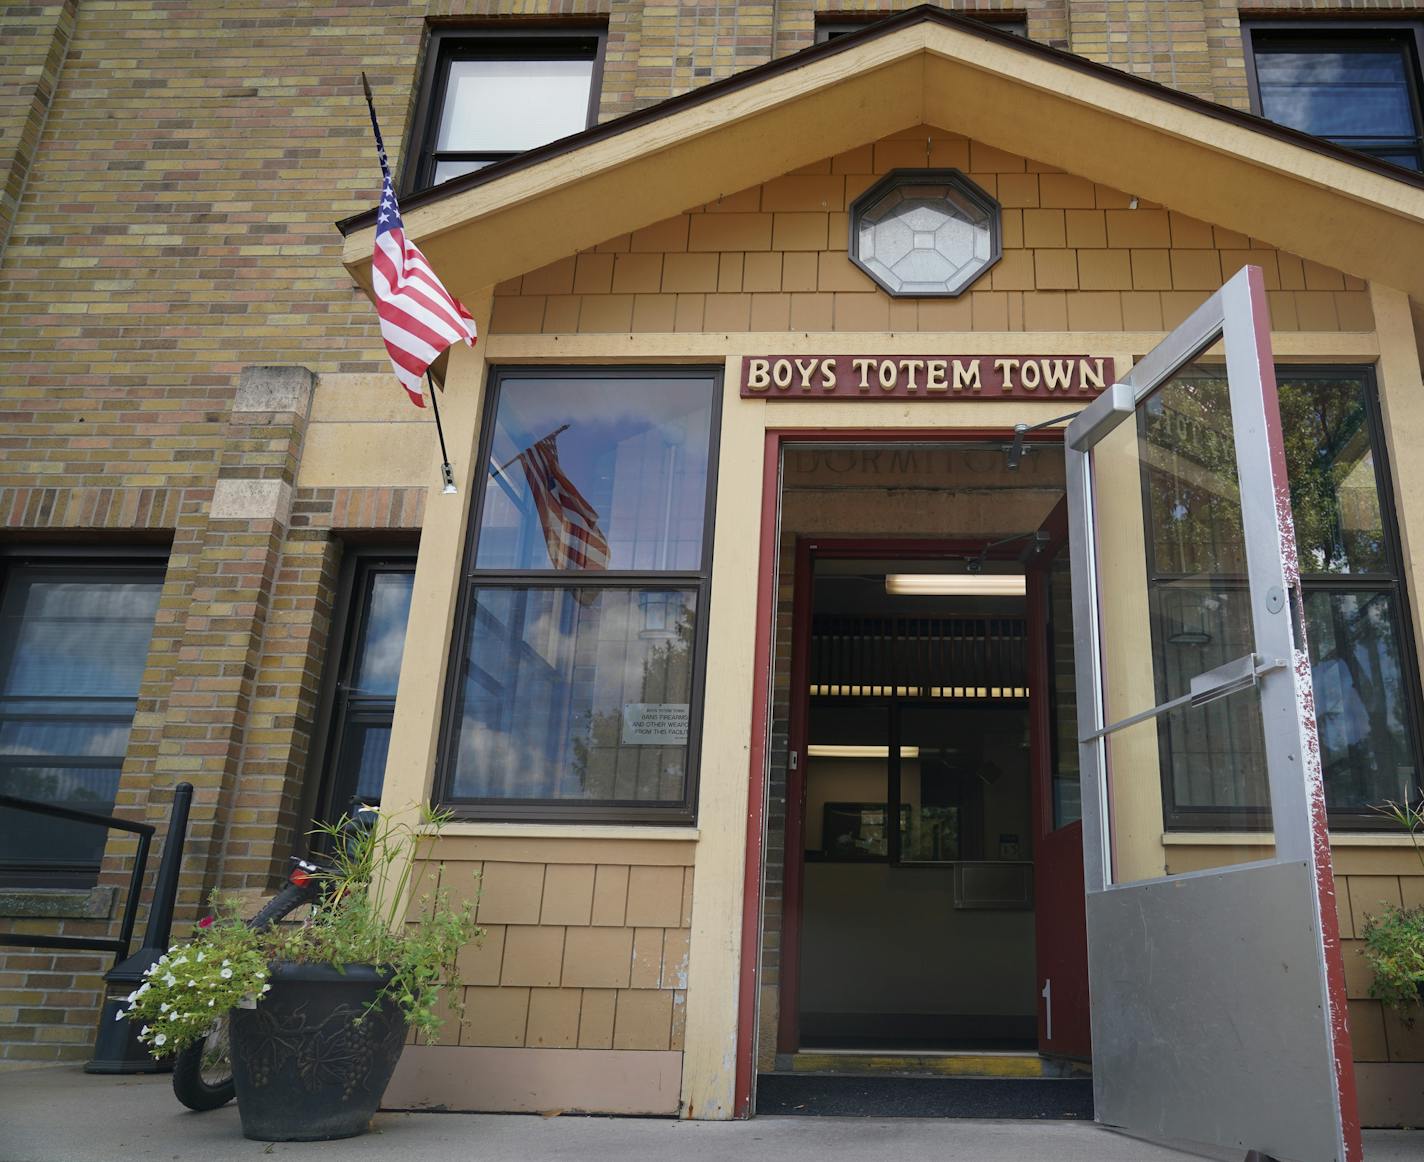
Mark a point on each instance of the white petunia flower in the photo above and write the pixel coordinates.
(226, 974)
(120, 1015)
(169, 979)
(160, 1038)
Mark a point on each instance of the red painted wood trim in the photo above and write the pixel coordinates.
(762, 663)
(1039, 676)
(1335, 989)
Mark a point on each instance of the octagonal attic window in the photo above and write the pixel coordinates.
(924, 232)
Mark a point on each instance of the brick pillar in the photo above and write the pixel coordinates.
(36, 40)
(234, 556)
(274, 804)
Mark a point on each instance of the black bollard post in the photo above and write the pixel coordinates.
(117, 1049)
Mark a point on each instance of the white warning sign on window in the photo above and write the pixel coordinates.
(655, 723)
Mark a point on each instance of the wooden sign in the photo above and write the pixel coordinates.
(907, 377)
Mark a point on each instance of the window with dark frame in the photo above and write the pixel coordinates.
(491, 93)
(373, 609)
(1355, 84)
(74, 640)
(830, 27)
(1360, 638)
(577, 672)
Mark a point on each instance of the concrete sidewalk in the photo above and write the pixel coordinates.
(64, 1115)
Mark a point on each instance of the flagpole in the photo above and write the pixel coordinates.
(446, 471)
(495, 471)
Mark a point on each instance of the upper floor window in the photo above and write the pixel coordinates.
(74, 638)
(492, 93)
(831, 27)
(578, 663)
(1358, 87)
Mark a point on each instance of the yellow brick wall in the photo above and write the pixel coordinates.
(1077, 256)
(36, 41)
(586, 943)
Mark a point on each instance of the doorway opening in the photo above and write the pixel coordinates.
(921, 770)
(916, 935)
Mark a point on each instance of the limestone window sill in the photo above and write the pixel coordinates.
(96, 903)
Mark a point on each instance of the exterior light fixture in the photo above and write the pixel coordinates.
(955, 585)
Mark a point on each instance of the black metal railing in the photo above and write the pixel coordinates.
(120, 945)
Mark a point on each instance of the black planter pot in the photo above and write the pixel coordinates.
(312, 1060)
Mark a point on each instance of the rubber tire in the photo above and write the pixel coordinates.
(188, 1084)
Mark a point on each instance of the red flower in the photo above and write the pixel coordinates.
(205, 922)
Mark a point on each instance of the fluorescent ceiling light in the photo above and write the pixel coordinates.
(823, 751)
(956, 584)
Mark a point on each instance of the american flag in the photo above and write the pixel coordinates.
(419, 317)
(570, 523)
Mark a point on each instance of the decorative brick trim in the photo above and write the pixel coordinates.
(359, 508)
(113, 509)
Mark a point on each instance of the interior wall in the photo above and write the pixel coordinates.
(878, 939)
(889, 940)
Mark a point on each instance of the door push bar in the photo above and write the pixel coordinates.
(1241, 674)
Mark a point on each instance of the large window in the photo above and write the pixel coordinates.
(491, 93)
(578, 668)
(1365, 680)
(74, 638)
(366, 649)
(1357, 86)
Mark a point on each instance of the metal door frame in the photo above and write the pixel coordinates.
(1236, 314)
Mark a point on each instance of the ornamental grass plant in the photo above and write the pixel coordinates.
(364, 915)
(1394, 938)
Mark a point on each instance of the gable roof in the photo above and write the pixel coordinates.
(925, 66)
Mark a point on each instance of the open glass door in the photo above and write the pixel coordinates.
(1218, 998)
(1060, 939)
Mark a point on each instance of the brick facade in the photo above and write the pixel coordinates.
(169, 175)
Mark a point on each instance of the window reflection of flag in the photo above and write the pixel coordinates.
(570, 523)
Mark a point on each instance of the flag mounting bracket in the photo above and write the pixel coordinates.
(447, 474)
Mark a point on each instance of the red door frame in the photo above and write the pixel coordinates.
(1056, 526)
(1060, 912)
(763, 663)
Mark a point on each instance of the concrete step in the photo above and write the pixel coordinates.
(862, 1063)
